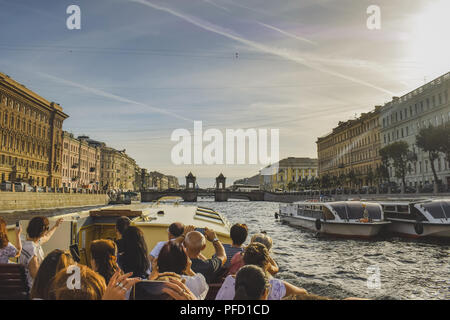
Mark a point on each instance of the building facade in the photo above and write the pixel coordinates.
(352, 146)
(30, 136)
(289, 170)
(81, 162)
(402, 118)
(118, 170)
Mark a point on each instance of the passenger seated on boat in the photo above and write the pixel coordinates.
(195, 243)
(257, 254)
(122, 224)
(92, 286)
(237, 261)
(173, 262)
(135, 255)
(251, 284)
(104, 258)
(32, 255)
(7, 249)
(50, 266)
(238, 234)
(174, 231)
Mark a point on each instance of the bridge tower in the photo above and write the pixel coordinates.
(220, 182)
(190, 181)
(221, 193)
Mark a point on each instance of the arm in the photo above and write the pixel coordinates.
(293, 290)
(273, 266)
(218, 247)
(50, 233)
(187, 229)
(33, 267)
(18, 242)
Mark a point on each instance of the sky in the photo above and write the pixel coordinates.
(139, 69)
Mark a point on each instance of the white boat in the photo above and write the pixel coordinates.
(341, 218)
(79, 229)
(418, 218)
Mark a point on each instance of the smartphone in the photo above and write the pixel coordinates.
(17, 224)
(149, 290)
(201, 230)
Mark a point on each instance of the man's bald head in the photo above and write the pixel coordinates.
(195, 242)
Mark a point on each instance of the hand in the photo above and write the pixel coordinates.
(178, 290)
(210, 234)
(155, 272)
(117, 292)
(19, 230)
(58, 222)
(188, 229)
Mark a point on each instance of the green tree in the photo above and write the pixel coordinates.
(444, 139)
(291, 185)
(430, 140)
(399, 153)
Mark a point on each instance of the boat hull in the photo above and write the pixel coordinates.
(342, 229)
(408, 229)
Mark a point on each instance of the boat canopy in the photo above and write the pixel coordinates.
(355, 210)
(439, 209)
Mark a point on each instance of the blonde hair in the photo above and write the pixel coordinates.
(262, 238)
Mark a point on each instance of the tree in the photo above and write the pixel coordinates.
(444, 145)
(399, 153)
(370, 177)
(291, 185)
(430, 140)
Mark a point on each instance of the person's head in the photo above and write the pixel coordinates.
(92, 284)
(50, 266)
(3, 234)
(175, 230)
(122, 224)
(104, 258)
(256, 254)
(172, 258)
(264, 239)
(194, 242)
(37, 227)
(251, 284)
(238, 233)
(135, 253)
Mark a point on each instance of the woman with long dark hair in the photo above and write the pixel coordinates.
(135, 253)
(7, 249)
(251, 284)
(104, 258)
(50, 266)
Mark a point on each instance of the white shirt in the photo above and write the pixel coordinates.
(29, 250)
(197, 284)
(277, 289)
(157, 249)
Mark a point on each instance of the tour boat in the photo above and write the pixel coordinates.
(418, 218)
(340, 218)
(79, 229)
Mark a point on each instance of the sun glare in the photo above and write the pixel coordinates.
(430, 43)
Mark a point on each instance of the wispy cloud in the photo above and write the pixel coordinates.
(291, 35)
(114, 97)
(217, 5)
(280, 52)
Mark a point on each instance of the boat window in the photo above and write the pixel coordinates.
(417, 214)
(374, 211)
(340, 210)
(328, 215)
(437, 209)
(390, 209)
(403, 209)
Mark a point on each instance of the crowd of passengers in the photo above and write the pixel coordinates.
(245, 273)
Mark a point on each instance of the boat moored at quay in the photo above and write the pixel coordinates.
(418, 218)
(338, 218)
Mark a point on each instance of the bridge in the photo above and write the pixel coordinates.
(190, 193)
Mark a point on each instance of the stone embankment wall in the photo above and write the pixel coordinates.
(10, 201)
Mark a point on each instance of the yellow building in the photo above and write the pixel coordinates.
(118, 170)
(30, 136)
(352, 146)
(288, 172)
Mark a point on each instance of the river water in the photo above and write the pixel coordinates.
(337, 268)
